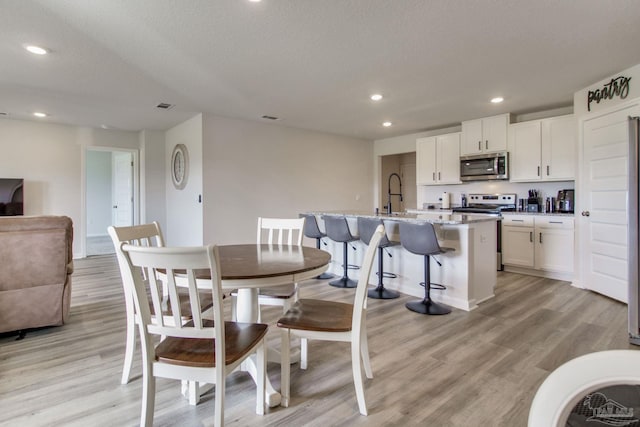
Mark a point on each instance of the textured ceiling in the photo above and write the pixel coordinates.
(312, 63)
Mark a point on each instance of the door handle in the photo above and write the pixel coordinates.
(538, 170)
(531, 236)
(434, 176)
(585, 213)
(547, 170)
(540, 237)
(439, 176)
(486, 144)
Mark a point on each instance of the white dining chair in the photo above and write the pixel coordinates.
(571, 382)
(277, 231)
(202, 350)
(149, 235)
(313, 319)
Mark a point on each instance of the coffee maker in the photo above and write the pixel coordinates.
(565, 201)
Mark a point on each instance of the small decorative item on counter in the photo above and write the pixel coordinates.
(463, 200)
(445, 200)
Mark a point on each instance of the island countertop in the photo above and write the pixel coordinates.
(434, 218)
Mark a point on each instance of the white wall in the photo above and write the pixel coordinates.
(256, 169)
(50, 158)
(153, 186)
(183, 207)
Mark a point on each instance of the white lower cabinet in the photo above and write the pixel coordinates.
(538, 242)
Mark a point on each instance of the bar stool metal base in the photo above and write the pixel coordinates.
(428, 307)
(325, 276)
(344, 282)
(382, 293)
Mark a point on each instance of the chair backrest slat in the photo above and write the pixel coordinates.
(180, 268)
(273, 231)
(360, 301)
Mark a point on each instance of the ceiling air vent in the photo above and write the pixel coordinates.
(270, 118)
(164, 106)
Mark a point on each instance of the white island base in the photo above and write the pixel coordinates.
(469, 273)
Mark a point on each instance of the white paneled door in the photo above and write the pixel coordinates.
(603, 211)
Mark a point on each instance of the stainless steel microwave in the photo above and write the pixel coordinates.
(484, 167)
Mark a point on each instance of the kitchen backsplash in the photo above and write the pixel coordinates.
(431, 194)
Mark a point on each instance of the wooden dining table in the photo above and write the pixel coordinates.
(249, 267)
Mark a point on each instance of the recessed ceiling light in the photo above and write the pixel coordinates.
(387, 124)
(376, 97)
(39, 114)
(255, 1)
(36, 50)
(497, 100)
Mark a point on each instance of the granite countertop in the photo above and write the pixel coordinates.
(444, 217)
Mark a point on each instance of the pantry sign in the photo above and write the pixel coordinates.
(616, 90)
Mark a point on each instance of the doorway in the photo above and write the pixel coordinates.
(405, 166)
(109, 196)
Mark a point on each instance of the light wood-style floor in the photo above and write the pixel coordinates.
(478, 368)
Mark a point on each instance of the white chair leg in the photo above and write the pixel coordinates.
(304, 352)
(364, 346)
(148, 398)
(234, 308)
(130, 348)
(261, 362)
(357, 376)
(194, 392)
(218, 419)
(285, 367)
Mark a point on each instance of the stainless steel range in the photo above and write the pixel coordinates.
(491, 204)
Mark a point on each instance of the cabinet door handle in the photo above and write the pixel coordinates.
(547, 170)
(517, 220)
(541, 237)
(531, 236)
(439, 178)
(538, 170)
(434, 176)
(555, 222)
(479, 145)
(486, 144)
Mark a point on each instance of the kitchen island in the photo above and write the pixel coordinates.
(469, 273)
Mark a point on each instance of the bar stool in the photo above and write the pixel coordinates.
(338, 231)
(366, 229)
(312, 231)
(420, 239)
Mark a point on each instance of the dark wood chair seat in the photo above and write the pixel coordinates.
(240, 338)
(318, 315)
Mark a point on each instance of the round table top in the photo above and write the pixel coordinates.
(252, 261)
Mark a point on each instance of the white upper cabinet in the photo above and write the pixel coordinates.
(438, 159)
(543, 150)
(559, 148)
(487, 135)
(524, 151)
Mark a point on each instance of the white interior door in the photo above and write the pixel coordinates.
(603, 221)
(122, 189)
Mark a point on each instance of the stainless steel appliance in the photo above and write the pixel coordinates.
(633, 264)
(565, 202)
(491, 204)
(484, 167)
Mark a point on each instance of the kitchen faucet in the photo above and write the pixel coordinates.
(389, 193)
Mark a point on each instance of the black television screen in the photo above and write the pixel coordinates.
(11, 197)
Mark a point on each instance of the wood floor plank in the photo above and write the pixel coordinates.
(467, 368)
